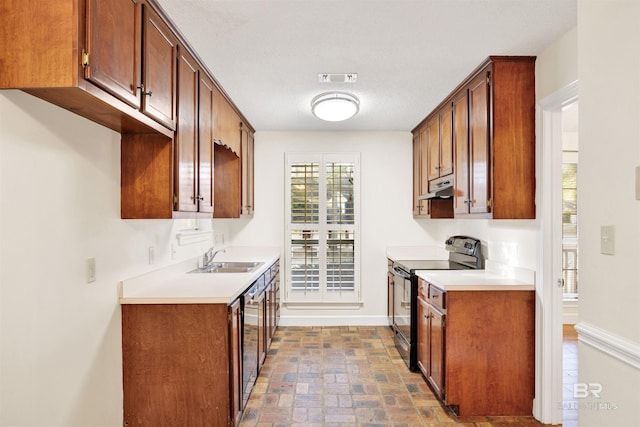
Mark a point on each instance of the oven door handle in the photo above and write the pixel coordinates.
(401, 273)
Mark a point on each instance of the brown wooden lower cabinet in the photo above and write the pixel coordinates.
(476, 349)
(182, 364)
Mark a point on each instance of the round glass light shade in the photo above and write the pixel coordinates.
(335, 106)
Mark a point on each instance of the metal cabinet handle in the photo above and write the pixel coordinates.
(141, 87)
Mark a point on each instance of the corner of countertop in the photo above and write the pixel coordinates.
(519, 273)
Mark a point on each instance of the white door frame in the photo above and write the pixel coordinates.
(548, 403)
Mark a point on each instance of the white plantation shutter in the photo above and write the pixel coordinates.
(322, 227)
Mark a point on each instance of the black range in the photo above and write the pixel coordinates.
(464, 253)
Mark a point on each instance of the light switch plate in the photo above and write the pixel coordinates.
(91, 270)
(607, 240)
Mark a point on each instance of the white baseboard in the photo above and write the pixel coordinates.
(614, 345)
(334, 321)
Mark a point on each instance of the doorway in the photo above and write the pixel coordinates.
(548, 407)
(570, 272)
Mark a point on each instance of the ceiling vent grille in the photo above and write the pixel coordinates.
(338, 77)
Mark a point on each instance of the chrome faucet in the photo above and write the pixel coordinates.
(207, 259)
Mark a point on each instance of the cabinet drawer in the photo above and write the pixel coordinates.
(423, 289)
(437, 297)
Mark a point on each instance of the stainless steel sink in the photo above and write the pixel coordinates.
(229, 267)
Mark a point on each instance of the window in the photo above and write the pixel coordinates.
(570, 230)
(322, 226)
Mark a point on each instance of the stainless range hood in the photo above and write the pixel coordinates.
(442, 189)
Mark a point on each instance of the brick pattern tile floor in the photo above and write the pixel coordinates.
(347, 376)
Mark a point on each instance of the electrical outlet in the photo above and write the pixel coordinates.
(91, 270)
(151, 255)
(607, 240)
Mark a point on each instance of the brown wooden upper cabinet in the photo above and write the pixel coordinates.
(187, 133)
(227, 123)
(114, 42)
(234, 176)
(158, 88)
(490, 119)
(205, 144)
(473, 195)
(142, 75)
(118, 63)
(194, 139)
(86, 56)
(247, 156)
(420, 182)
(440, 143)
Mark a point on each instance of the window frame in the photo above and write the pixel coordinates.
(323, 297)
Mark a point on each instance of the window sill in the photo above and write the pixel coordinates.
(317, 305)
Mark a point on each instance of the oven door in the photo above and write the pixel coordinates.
(402, 311)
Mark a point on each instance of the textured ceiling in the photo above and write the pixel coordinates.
(409, 54)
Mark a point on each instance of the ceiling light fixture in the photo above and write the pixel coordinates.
(335, 106)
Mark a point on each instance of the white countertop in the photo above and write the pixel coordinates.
(416, 253)
(173, 285)
(474, 280)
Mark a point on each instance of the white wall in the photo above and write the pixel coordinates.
(557, 65)
(60, 338)
(609, 71)
(386, 175)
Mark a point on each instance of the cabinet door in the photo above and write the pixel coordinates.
(186, 140)
(159, 74)
(205, 145)
(479, 161)
(420, 182)
(235, 358)
(461, 153)
(416, 174)
(390, 283)
(436, 351)
(276, 300)
(113, 45)
(247, 157)
(262, 320)
(423, 336)
(227, 123)
(268, 331)
(433, 149)
(446, 141)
